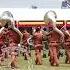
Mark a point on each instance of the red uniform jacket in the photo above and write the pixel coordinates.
(14, 36)
(26, 35)
(1, 40)
(54, 38)
(67, 40)
(38, 39)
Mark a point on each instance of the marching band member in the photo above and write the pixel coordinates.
(66, 41)
(37, 38)
(26, 35)
(55, 37)
(67, 47)
(54, 41)
(13, 35)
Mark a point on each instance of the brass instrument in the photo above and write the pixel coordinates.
(7, 19)
(51, 16)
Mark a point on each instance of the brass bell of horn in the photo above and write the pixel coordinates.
(50, 16)
(6, 18)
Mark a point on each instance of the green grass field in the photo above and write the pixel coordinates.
(30, 65)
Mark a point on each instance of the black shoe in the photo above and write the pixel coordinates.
(30, 54)
(12, 65)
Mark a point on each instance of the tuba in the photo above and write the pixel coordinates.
(64, 29)
(51, 16)
(7, 19)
